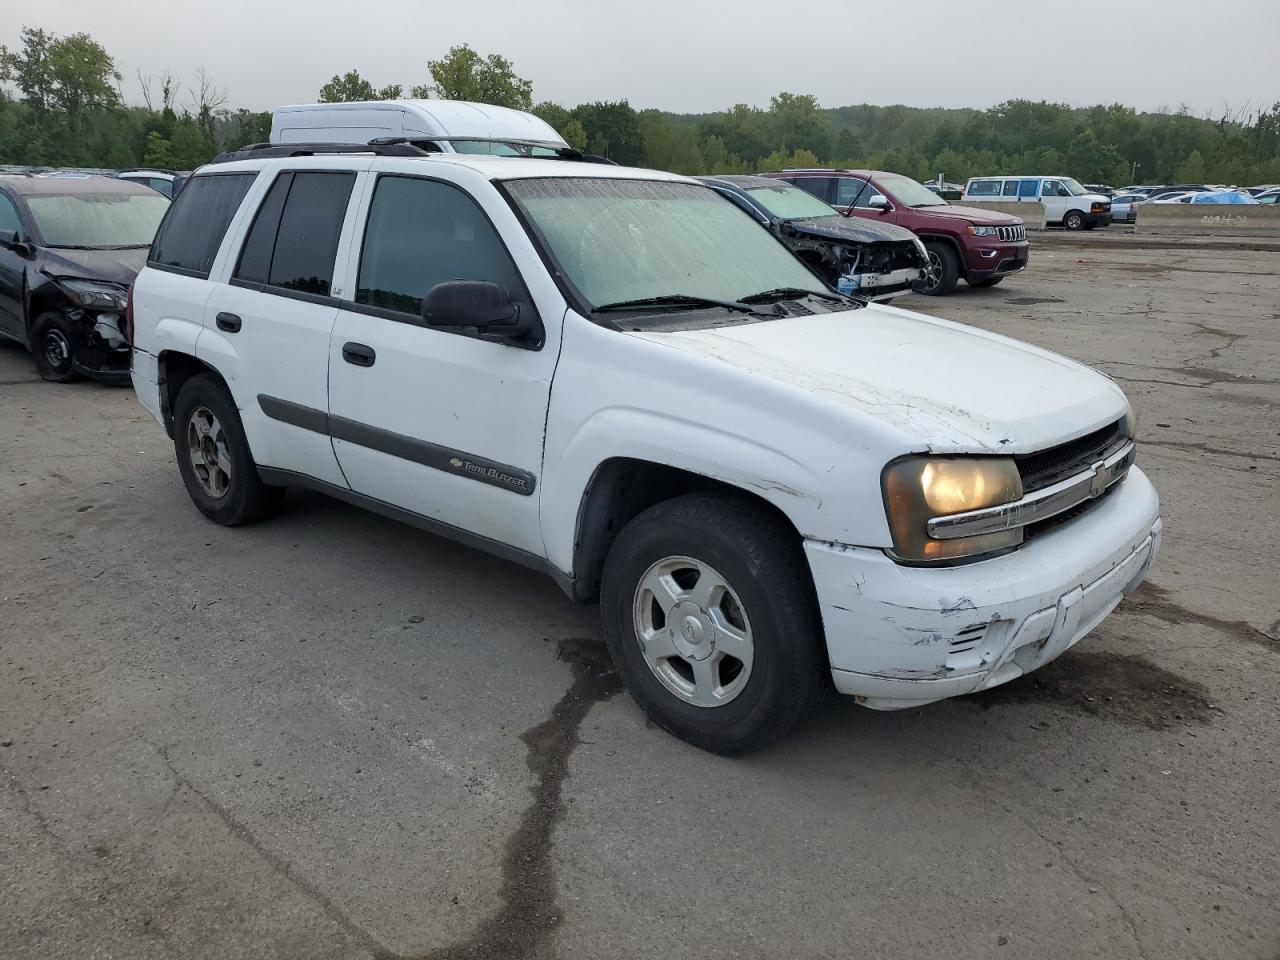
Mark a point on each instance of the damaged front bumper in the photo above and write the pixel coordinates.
(99, 345)
(902, 636)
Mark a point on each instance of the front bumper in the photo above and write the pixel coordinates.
(901, 636)
(94, 355)
(1097, 219)
(984, 262)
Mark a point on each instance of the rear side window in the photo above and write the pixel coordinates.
(189, 238)
(1029, 188)
(984, 188)
(820, 187)
(1011, 188)
(422, 232)
(294, 237)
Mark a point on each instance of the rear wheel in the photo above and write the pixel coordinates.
(213, 456)
(52, 350)
(942, 272)
(1074, 220)
(709, 616)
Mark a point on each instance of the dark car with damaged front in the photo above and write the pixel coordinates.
(872, 261)
(69, 249)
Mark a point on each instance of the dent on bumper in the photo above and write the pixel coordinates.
(903, 636)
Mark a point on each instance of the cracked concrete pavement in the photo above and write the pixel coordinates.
(331, 736)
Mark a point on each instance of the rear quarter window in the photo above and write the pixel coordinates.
(985, 188)
(188, 239)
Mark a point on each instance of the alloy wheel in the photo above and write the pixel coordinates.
(693, 631)
(210, 455)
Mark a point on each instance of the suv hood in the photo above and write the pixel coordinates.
(848, 229)
(970, 214)
(945, 387)
(113, 266)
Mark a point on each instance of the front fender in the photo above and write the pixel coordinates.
(646, 435)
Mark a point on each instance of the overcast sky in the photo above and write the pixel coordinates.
(687, 56)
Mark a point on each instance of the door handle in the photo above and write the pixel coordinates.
(228, 322)
(358, 354)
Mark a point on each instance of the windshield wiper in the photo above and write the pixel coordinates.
(675, 301)
(789, 293)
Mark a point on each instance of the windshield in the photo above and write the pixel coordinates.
(790, 203)
(1073, 186)
(908, 192)
(619, 240)
(98, 219)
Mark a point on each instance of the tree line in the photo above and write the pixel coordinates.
(62, 104)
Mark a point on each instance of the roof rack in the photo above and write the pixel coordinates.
(399, 147)
(266, 151)
(430, 144)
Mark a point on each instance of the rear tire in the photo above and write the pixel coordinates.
(1074, 220)
(942, 273)
(213, 456)
(52, 350)
(710, 617)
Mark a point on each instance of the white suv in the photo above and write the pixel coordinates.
(616, 376)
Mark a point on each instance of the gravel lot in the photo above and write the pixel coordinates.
(330, 736)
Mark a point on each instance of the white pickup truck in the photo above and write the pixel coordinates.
(616, 376)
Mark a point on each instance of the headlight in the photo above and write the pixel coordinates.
(918, 489)
(90, 293)
(1129, 424)
(981, 231)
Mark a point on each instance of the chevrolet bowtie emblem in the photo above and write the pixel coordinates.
(1101, 475)
(455, 462)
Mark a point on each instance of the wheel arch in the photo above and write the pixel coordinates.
(175, 368)
(623, 487)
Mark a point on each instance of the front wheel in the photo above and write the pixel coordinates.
(710, 618)
(52, 350)
(213, 456)
(942, 272)
(1074, 220)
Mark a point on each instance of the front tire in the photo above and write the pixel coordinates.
(52, 350)
(213, 456)
(1074, 220)
(942, 272)
(710, 617)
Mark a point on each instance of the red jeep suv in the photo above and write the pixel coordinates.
(980, 245)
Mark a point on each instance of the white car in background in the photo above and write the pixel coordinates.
(1124, 207)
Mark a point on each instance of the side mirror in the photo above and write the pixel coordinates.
(9, 239)
(473, 303)
(878, 201)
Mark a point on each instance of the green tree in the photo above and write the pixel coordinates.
(796, 122)
(575, 135)
(462, 74)
(352, 88)
(159, 152)
(613, 131)
(1191, 170)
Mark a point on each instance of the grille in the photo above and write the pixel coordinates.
(1044, 469)
(1012, 234)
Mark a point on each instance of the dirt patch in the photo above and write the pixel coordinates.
(529, 914)
(1110, 686)
(1156, 601)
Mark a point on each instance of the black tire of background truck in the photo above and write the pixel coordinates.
(989, 282)
(52, 348)
(246, 498)
(943, 262)
(1074, 220)
(763, 563)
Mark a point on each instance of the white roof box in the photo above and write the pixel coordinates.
(415, 119)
